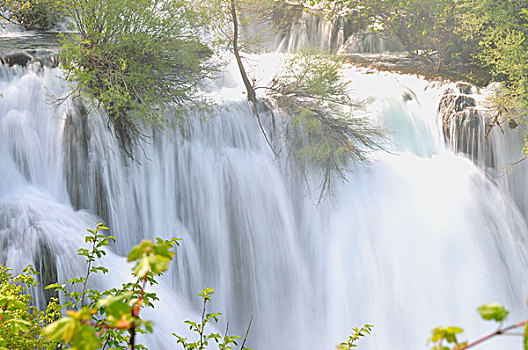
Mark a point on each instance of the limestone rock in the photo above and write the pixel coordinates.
(465, 124)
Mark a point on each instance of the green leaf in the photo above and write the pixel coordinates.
(57, 286)
(86, 339)
(142, 267)
(445, 332)
(63, 329)
(18, 326)
(494, 311)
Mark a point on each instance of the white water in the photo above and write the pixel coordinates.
(416, 239)
(341, 35)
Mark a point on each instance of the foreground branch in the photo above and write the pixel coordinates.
(492, 335)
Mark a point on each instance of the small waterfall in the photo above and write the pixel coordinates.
(496, 150)
(417, 238)
(345, 35)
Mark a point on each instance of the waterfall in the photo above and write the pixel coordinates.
(416, 238)
(497, 150)
(346, 35)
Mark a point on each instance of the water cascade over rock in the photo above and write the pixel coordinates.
(345, 35)
(471, 128)
(416, 238)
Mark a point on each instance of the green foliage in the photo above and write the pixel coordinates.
(452, 35)
(75, 330)
(152, 258)
(109, 314)
(222, 342)
(33, 14)
(358, 333)
(109, 318)
(494, 311)
(20, 321)
(427, 29)
(501, 31)
(135, 58)
(323, 127)
(447, 334)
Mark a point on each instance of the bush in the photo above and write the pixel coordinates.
(96, 319)
(135, 58)
(323, 127)
(21, 322)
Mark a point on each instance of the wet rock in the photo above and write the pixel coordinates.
(84, 176)
(17, 58)
(465, 125)
(46, 58)
(466, 88)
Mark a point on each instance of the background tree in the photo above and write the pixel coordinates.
(477, 40)
(428, 29)
(501, 31)
(33, 14)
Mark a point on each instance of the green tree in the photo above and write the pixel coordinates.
(479, 40)
(501, 31)
(322, 130)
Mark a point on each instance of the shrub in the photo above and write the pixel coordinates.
(135, 58)
(20, 321)
(323, 127)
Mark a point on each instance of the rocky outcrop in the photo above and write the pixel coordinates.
(23, 58)
(465, 123)
(84, 176)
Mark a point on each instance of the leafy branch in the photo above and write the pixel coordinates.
(358, 333)
(110, 313)
(445, 335)
(224, 343)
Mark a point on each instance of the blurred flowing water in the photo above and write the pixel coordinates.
(347, 35)
(418, 237)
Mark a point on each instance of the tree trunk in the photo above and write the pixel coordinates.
(249, 88)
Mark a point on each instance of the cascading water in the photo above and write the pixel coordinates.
(343, 34)
(495, 149)
(416, 238)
